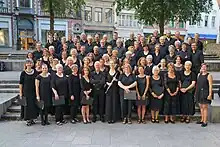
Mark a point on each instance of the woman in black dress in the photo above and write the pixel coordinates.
(27, 91)
(171, 57)
(60, 90)
(74, 93)
(141, 62)
(172, 83)
(86, 93)
(74, 57)
(142, 97)
(45, 58)
(67, 68)
(188, 81)
(178, 65)
(149, 66)
(112, 97)
(63, 58)
(44, 93)
(204, 94)
(156, 88)
(126, 82)
(156, 55)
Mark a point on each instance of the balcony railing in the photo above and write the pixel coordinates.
(3, 10)
(62, 15)
(26, 10)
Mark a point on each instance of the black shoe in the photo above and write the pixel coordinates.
(72, 121)
(32, 122)
(199, 122)
(112, 121)
(166, 121)
(204, 124)
(94, 119)
(47, 123)
(43, 123)
(76, 120)
(28, 123)
(172, 121)
(109, 122)
(124, 121)
(153, 120)
(88, 121)
(59, 123)
(64, 122)
(85, 122)
(129, 121)
(102, 119)
(157, 121)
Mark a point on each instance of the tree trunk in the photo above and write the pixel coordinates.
(51, 17)
(162, 21)
(161, 26)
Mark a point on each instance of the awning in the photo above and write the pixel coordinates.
(205, 36)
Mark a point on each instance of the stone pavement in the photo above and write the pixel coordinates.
(16, 133)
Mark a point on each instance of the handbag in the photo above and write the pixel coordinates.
(22, 100)
(60, 101)
(130, 96)
(40, 104)
(86, 101)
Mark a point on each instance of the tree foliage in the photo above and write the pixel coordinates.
(160, 12)
(61, 8)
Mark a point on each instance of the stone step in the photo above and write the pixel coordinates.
(14, 65)
(8, 85)
(213, 65)
(11, 116)
(14, 108)
(9, 90)
(9, 81)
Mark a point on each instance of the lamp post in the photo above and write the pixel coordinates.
(16, 10)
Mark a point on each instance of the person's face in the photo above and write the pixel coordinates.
(132, 36)
(149, 60)
(38, 46)
(118, 43)
(109, 49)
(70, 62)
(50, 38)
(64, 55)
(115, 54)
(86, 61)
(60, 70)
(196, 36)
(115, 36)
(141, 70)
(29, 64)
(82, 49)
(204, 68)
(102, 43)
(75, 40)
(83, 37)
(89, 40)
(163, 63)
(126, 69)
(136, 45)
(187, 67)
(44, 69)
(73, 53)
(78, 46)
(177, 45)
(157, 48)
(138, 37)
(69, 37)
(189, 40)
(96, 50)
(45, 53)
(178, 60)
(156, 72)
(112, 64)
(177, 34)
(184, 47)
(75, 70)
(86, 72)
(97, 67)
(172, 51)
(55, 62)
(126, 61)
(168, 34)
(193, 46)
(153, 39)
(146, 48)
(162, 40)
(30, 55)
(105, 38)
(51, 51)
(171, 68)
(65, 47)
(155, 33)
(143, 61)
(96, 38)
(142, 39)
(55, 36)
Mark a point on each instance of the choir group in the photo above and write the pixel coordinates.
(162, 75)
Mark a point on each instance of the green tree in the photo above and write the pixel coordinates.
(61, 8)
(160, 12)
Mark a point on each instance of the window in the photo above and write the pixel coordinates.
(98, 14)
(130, 21)
(171, 24)
(206, 20)
(4, 37)
(108, 15)
(199, 23)
(88, 13)
(213, 21)
(191, 22)
(181, 25)
(25, 3)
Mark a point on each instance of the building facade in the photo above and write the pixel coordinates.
(97, 17)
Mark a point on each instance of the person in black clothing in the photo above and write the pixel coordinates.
(120, 48)
(188, 83)
(177, 37)
(83, 40)
(126, 82)
(156, 88)
(67, 70)
(177, 45)
(145, 52)
(171, 56)
(97, 55)
(184, 53)
(115, 38)
(169, 39)
(130, 41)
(156, 55)
(197, 59)
(51, 43)
(38, 53)
(70, 42)
(98, 81)
(74, 93)
(163, 47)
(112, 97)
(102, 48)
(74, 56)
(152, 44)
(86, 94)
(27, 91)
(96, 40)
(82, 53)
(57, 42)
(199, 44)
(142, 95)
(60, 89)
(204, 94)
(44, 93)
(52, 52)
(89, 46)
(172, 83)
(149, 65)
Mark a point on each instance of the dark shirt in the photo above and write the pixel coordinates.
(127, 80)
(200, 45)
(83, 43)
(89, 48)
(163, 50)
(121, 52)
(197, 59)
(98, 80)
(169, 41)
(51, 44)
(152, 47)
(96, 44)
(129, 42)
(102, 50)
(60, 84)
(156, 58)
(37, 54)
(97, 57)
(170, 59)
(113, 43)
(67, 70)
(185, 56)
(81, 56)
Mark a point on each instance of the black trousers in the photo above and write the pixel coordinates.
(98, 102)
(126, 106)
(59, 113)
(73, 111)
(44, 114)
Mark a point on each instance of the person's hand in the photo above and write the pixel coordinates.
(38, 98)
(183, 90)
(209, 97)
(139, 97)
(127, 90)
(56, 97)
(143, 97)
(87, 97)
(160, 97)
(20, 96)
(114, 79)
(72, 97)
(154, 95)
(175, 93)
